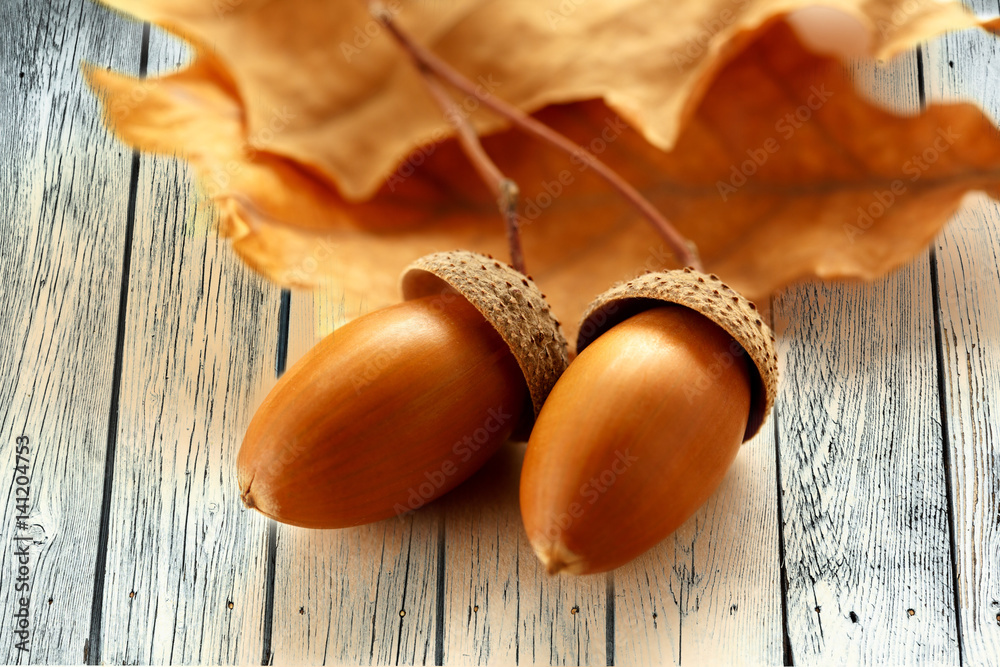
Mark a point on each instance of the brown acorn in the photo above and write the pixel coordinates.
(675, 370)
(399, 406)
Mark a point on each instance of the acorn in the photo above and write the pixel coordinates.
(675, 371)
(399, 406)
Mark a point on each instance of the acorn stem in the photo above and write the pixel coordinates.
(504, 189)
(684, 250)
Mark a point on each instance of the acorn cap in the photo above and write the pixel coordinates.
(712, 298)
(509, 301)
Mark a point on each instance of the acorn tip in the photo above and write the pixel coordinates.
(557, 558)
(247, 499)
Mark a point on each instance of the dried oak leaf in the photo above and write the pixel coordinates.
(301, 207)
(352, 107)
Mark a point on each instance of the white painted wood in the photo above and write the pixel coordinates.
(63, 206)
(967, 66)
(969, 282)
(711, 592)
(865, 506)
(863, 482)
(186, 565)
(365, 595)
(865, 509)
(501, 607)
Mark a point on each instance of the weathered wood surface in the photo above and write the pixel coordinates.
(500, 607)
(864, 493)
(969, 288)
(63, 212)
(185, 578)
(967, 66)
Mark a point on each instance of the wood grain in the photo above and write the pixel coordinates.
(365, 595)
(185, 576)
(967, 66)
(500, 606)
(862, 475)
(969, 283)
(63, 214)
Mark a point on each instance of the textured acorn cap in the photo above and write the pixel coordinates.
(509, 301)
(712, 298)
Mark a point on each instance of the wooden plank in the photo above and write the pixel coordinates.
(864, 492)
(63, 213)
(710, 593)
(865, 507)
(365, 595)
(500, 606)
(965, 65)
(969, 288)
(186, 564)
